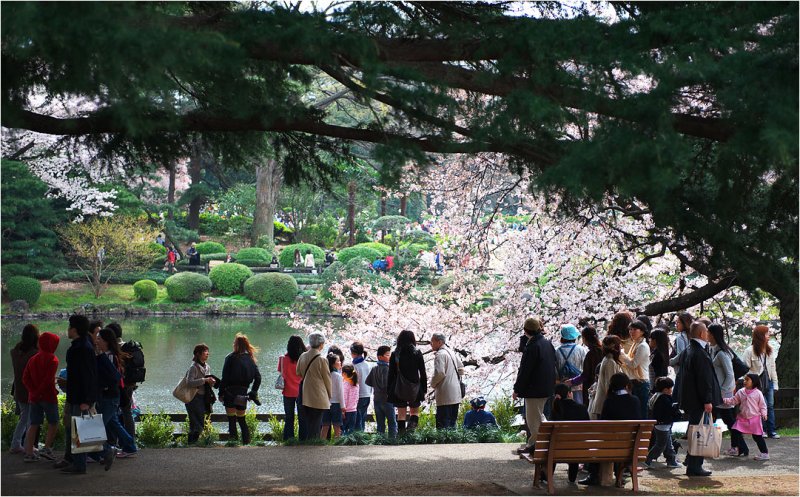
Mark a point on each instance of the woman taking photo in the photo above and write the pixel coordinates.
(238, 372)
(20, 355)
(612, 348)
(287, 367)
(109, 377)
(407, 360)
(199, 376)
(761, 360)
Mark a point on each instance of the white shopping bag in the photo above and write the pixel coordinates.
(90, 428)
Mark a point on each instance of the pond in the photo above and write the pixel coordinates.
(168, 345)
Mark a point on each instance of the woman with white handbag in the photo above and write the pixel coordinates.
(197, 388)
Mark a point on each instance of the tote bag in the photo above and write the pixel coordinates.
(705, 439)
(183, 391)
(88, 433)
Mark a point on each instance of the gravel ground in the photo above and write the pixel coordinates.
(469, 469)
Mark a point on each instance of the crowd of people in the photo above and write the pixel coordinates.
(622, 376)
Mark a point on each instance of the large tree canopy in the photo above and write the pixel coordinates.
(683, 111)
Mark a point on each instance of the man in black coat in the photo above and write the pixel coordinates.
(82, 384)
(699, 390)
(536, 377)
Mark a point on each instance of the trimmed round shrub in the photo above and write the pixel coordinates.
(145, 290)
(286, 257)
(253, 254)
(23, 288)
(158, 249)
(421, 237)
(210, 248)
(349, 253)
(228, 278)
(252, 262)
(221, 256)
(380, 247)
(271, 288)
(187, 287)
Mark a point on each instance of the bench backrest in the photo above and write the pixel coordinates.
(590, 441)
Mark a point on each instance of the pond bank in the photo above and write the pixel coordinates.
(144, 313)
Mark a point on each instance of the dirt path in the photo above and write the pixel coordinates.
(469, 469)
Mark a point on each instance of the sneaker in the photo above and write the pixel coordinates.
(648, 464)
(30, 458)
(62, 464)
(125, 455)
(733, 451)
(762, 457)
(108, 460)
(774, 435)
(673, 464)
(47, 453)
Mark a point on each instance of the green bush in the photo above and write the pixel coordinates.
(220, 256)
(23, 288)
(145, 290)
(276, 428)
(420, 237)
(349, 253)
(155, 430)
(255, 254)
(228, 278)
(122, 277)
(256, 437)
(158, 249)
(504, 413)
(210, 248)
(8, 420)
(307, 279)
(380, 247)
(271, 288)
(253, 262)
(286, 257)
(187, 287)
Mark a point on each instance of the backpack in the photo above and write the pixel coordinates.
(568, 370)
(134, 366)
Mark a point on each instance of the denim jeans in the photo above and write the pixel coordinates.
(662, 445)
(289, 404)
(22, 425)
(361, 412)
(350, 423)
(196, 411)
(769, 398)
(642, 392)
(109, 408)
(384, 411)
(446, 416)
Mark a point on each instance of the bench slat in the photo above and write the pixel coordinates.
(585, 436)
(593, 444)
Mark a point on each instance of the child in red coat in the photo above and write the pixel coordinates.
(39, 379)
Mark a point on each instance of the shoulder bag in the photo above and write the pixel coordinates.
(182, 390)
(460, 382)
(279, 381)
(404, 389)
(764, 376)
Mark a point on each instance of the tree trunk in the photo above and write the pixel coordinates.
(171, 189)
(383, 213)
(786, 362)
(269, 179)
(196, 176)
(351, 213)
(403, 204)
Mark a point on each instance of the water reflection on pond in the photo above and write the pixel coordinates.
(168, 345)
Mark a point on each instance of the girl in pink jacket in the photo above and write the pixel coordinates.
(350, 390)
(752, 409)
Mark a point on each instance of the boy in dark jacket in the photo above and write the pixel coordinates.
(566, 409)
(39, 379)
(378, 379)
(665, 413)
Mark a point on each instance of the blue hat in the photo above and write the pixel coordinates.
(569, 332)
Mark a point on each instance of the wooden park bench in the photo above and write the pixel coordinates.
(601, 442)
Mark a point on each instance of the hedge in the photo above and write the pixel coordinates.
(23, 288)
(254, 254)
(145, 290)
(187, 287)
(123, 277)
(286, 257)
(220, 256)
(253, 262)
(210, 248)
(228, 278)
(271, 288)
(158, 249)
(380, 247)
(349, 253)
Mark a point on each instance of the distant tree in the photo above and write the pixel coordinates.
(105, 245)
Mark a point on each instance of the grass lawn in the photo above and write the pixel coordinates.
(67, 297)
